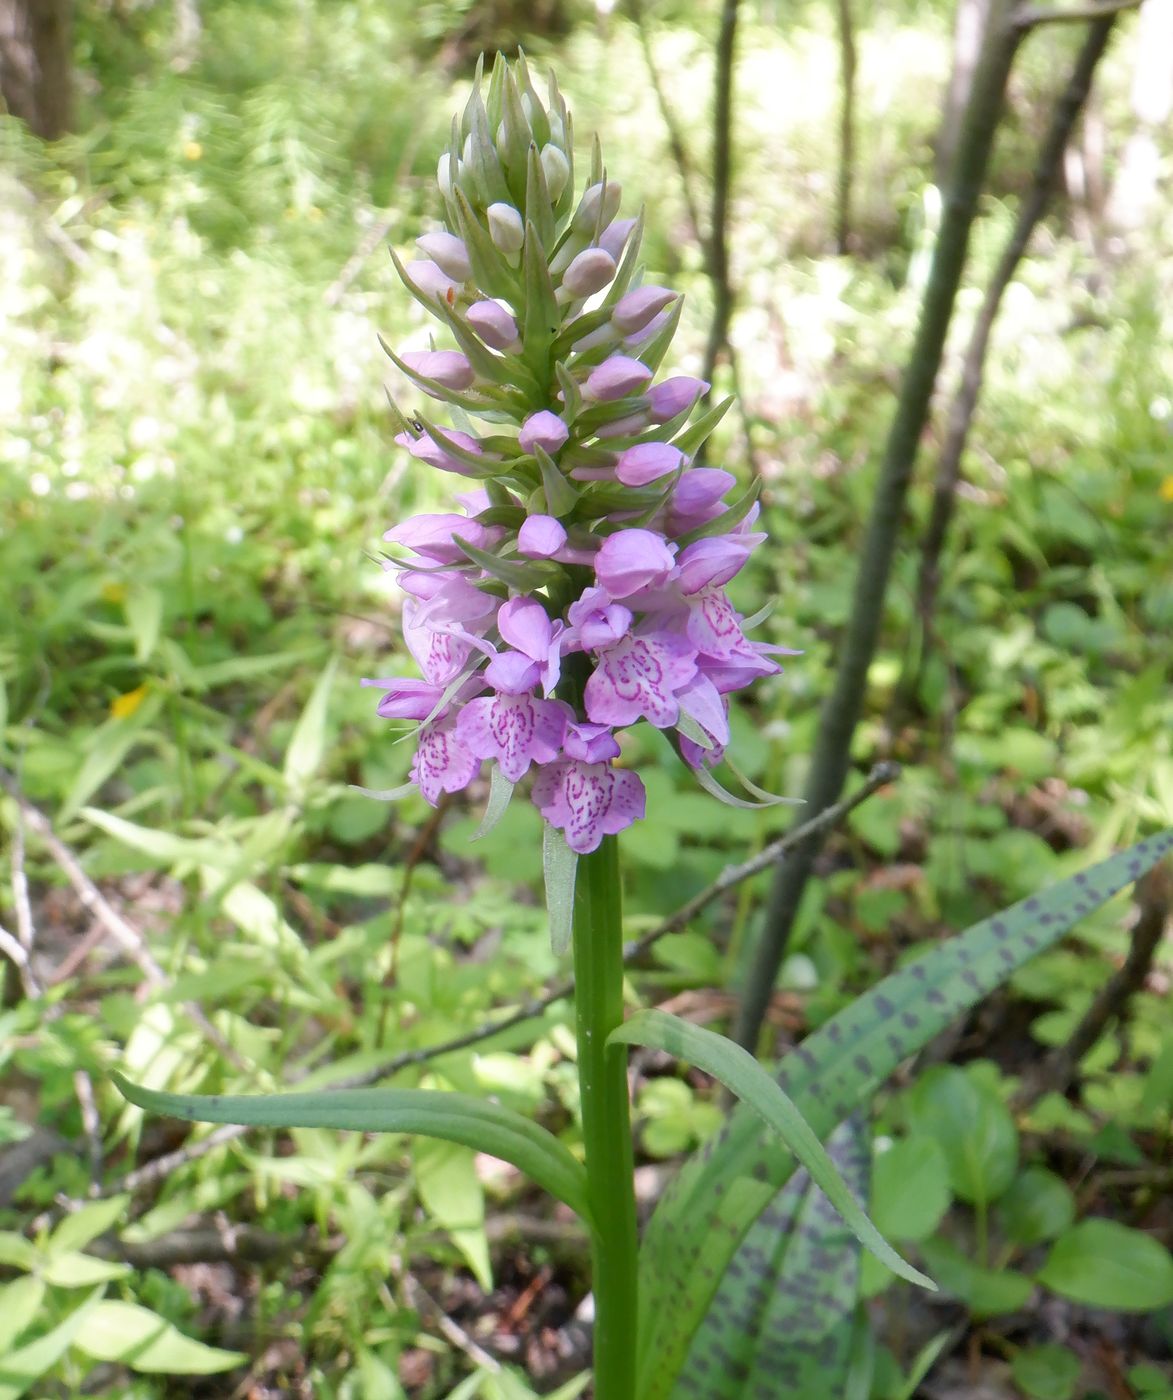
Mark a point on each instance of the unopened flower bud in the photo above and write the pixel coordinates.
(428, 450)
(540, 537)
(616, 377)
(634, 310)
(614, 236)
(627, 426)
(605, 196)
(631, 560)
(647, 462)
(447, 367)
(506, 228)
(545, 430)
(675, 396)
(590, 272)
(448, 253)
(431, 280)
(494, 323)
(445, 174)
(556, 169)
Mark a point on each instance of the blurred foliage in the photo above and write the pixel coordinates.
(197, 468)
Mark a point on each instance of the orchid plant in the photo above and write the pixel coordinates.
(580, 590)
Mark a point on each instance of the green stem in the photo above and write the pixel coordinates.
(606, 1117)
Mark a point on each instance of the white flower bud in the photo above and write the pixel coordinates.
(506, 229)
(588, 273)
(445, 174)
(448, 253)
(556, 169)
(607, 195)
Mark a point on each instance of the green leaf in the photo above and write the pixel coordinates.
(23, 1368)
(1047, 1372)
(559, 865)
(700, 1220)
(86, 1224)
(446, 1179)
(20, 1303)
(910, 1189)
(783, 1317)
(1038, 1206)
(524, 576)
(107, 747)
(143, 609)
(16, 1252)
(741, 1074)
(460, 1118)
(542, 313)
(162, 847)
(986, 1292)
(72, 1269)
(973, 1127)
(145, 1342)
(303, 757)
(560, 492)
(1107, 1265)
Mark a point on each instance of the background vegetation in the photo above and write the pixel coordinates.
(195, 469)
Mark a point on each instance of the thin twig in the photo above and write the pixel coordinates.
(671, 126)
(25, 928)
(91, 1122)
(831, 761)
(1154, 898)
(129, 939)
(423, 1302)
(1030, 16)
(962, 408)
(881, 775)
(718, 251)
(13, 949)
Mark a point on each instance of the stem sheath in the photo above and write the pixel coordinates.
(606, 1117)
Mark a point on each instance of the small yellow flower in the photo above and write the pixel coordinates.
(1166, 491)
(192, 150)
(123, 706)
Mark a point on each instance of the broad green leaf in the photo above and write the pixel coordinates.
(985, 1292)
(783, 1319)
(447, 1182)
(16, 1252)
(86, 1224)
(743, 1076)
(143, 608)
(460, 1118)
(1047, 1372)
(163, 847)
(559, 864)
(1038, 1206)
(973, 1128)
(73, 1269)
(910, 1189)
(20, 1302)
(21, 1369)
(107, 747)
(712, 1202)
(1107, 1265)
(142, 1340)
(307, 745)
